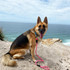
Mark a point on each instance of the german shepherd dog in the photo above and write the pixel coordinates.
(25, 42)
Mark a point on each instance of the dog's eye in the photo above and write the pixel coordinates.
(44, 26)
(39, 26)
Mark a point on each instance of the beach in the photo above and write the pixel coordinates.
(55, 54)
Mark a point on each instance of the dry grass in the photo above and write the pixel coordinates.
(1, 35)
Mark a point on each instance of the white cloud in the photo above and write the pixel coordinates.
(28, 10)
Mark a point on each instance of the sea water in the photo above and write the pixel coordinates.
(12, 30)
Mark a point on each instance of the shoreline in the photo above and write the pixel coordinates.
(65, 43)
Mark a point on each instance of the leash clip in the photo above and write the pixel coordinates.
(36, 40)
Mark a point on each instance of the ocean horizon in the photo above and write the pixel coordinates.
(12, 30)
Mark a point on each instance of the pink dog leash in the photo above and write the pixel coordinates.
(44, 67)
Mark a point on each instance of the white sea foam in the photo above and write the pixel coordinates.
(66, 42)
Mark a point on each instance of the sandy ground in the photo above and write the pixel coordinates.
(56, 56)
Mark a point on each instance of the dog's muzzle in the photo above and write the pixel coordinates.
(42, 31)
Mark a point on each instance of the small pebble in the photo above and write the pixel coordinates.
(60, 61)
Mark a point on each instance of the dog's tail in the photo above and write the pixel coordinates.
(7, 60)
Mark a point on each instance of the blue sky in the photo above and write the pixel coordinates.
(57, 11)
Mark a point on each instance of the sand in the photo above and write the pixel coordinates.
(56, 56)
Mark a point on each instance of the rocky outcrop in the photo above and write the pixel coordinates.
(50, 41)
(52, 51)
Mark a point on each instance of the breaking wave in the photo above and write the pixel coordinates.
(66, 42)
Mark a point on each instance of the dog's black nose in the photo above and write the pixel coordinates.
(41, 31)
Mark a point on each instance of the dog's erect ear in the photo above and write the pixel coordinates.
(38, 20)
(45, 20)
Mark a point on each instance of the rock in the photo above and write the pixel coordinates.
(51, 41)
(57, 56)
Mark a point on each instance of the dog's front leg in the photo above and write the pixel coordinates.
(32, 53)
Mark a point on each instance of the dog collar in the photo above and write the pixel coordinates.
(36, 34)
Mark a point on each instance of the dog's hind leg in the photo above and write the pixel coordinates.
(18, 53)
(18, 56)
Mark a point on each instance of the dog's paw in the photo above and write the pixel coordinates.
(34, 60)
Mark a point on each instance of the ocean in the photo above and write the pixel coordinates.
(12, 30)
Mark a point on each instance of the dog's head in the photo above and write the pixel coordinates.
(41, 27)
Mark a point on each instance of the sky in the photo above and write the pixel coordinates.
(57, 11)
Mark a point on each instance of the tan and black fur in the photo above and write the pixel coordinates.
(25, 42)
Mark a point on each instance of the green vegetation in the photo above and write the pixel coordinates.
(1, 35)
